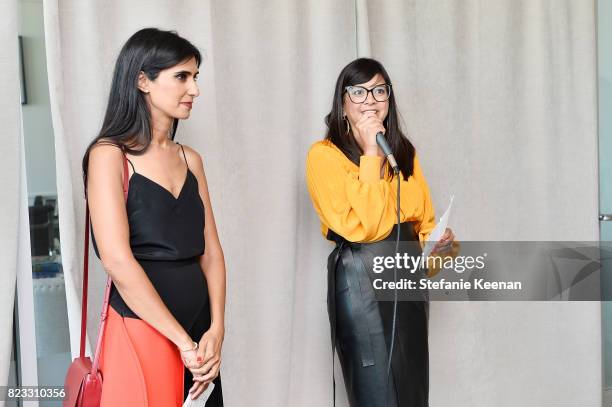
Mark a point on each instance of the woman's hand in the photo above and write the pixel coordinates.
(445, 242)
(365, 131)
(190, 358)
(209, 354)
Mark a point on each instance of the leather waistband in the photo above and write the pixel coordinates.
(407, 232)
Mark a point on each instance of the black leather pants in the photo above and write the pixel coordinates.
(361, 331)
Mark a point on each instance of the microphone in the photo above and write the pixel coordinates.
(384, 146)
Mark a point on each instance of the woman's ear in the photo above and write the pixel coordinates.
(143, 82)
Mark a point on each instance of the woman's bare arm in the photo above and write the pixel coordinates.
(212, 262)
(213, 267)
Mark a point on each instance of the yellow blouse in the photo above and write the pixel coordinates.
(356, 203)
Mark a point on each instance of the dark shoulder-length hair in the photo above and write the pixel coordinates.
(360, 71)
(127, 122)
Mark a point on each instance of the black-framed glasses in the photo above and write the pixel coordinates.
(359, 94)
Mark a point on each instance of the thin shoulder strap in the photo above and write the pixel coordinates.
(128, 160)
(184, 156)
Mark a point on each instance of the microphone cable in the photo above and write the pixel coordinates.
(384, 146)
(393, 324)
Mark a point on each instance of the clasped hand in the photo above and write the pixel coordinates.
(365, 131)
(204, 362)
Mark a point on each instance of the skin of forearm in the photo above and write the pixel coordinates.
(213, 267)
(141, 297)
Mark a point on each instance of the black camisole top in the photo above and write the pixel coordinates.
(167, 238)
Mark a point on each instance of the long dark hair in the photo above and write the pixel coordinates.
(360, 71)
(127, 122)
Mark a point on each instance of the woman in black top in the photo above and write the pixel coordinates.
(166, 316)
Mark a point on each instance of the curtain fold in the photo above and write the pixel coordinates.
(362, 29)
(69, 201)
(14, 223)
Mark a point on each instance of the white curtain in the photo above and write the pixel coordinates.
(14, 224)
(495, 96)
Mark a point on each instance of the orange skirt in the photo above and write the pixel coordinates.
(140, 366)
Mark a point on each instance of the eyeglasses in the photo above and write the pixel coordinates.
(359, 94)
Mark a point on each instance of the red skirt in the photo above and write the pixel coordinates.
(140, 366)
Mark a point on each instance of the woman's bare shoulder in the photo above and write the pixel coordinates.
(194, 159)
(106, 144)
(105, 153)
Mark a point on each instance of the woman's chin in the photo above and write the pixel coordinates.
(182, 115)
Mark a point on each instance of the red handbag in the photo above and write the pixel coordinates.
(83, 383)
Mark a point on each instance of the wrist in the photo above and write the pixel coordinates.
(193, 346)
(185, 343)
(217, 327)
(371, 150)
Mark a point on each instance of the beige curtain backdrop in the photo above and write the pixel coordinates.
(496, 96)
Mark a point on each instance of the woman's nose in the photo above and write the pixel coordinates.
(194, 90)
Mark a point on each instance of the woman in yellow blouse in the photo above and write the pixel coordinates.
(354, 192)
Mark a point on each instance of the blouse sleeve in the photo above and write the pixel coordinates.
(358, 206)
(428, 221)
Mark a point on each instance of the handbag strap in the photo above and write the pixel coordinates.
(104, 314)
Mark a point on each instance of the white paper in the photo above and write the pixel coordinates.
(200, 401)
(438, 231)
